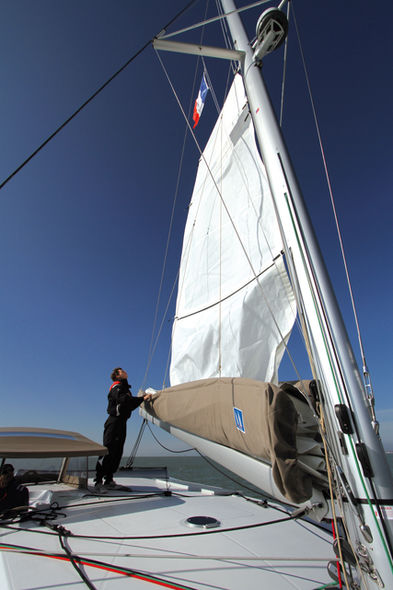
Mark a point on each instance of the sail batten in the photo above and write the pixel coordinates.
(201, 309)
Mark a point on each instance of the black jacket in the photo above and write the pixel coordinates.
(121, 402)
(14, 494)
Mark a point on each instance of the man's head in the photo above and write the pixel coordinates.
(6, 474)
(118, 374)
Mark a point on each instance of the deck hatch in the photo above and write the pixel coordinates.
(203, 522)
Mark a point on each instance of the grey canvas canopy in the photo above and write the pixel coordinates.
(45, 442)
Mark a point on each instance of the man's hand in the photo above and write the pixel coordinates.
(147, 397)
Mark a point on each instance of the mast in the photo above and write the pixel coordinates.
(287, 196)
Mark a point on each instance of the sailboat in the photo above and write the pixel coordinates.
(250, 265)
(250, 268)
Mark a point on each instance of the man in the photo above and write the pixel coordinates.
(12, 493)
(120, 405)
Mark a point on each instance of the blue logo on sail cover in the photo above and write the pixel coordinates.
(239, 419)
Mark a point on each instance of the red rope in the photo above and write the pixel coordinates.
(338, 561)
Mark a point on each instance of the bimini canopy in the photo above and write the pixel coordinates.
(46, 442)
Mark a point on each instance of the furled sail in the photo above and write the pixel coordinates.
(235, 305)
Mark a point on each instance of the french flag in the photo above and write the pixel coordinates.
(200, 101)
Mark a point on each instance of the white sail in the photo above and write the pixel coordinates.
(235, 306)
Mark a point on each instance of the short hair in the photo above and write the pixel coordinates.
(7, 468)
(6, 474)
(114, 373)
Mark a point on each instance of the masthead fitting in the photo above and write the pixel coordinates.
(271, 30)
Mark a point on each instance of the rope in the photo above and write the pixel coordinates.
(166, 448)
(370, 396)
(92, 97)
(329, 474)
(360, 341)
(215, 19)
(179, 172)
(187, 556)
(226, 475)
(132, 456)
(109, 567)
(284, 71)
(265, 298)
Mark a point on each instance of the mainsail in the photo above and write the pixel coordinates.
(235, 306)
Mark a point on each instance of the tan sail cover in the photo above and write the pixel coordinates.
(268, 416)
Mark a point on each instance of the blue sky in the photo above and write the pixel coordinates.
(83, 226)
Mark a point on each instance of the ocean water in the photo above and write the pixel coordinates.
(188, 468)
(200, 470)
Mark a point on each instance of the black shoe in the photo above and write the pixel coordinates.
(110, 485)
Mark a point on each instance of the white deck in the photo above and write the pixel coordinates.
(290, 555)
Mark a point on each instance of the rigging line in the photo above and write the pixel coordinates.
(330, 478)
(178, 273)
(384, 537)
(187, 246)
(191, 534)
(185, 556)
(179, 173)
(165, 313)
(385, 541)
(284, 70)
(224, 25)
(211, 87)
(369, 393)
(233, 66)
(349, 539)
(92, 97)
(365, 370)
(331, 492)
(215, 19)
(233, 224)
(287, 518)
(228, 476)
(109, 567)
(166, 448)
(168, 360)
(216, 103)
(153, 347)
(74, 559)
(134, 450)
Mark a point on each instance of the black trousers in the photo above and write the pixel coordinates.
(115, 432)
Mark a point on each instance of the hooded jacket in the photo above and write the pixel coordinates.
(121, 402)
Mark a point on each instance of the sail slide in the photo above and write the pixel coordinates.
(235, 306)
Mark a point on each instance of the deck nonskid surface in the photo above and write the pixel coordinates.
(144, 534)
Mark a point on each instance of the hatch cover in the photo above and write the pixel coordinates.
(204, 522)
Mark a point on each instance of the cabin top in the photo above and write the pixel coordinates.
(25, 442)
